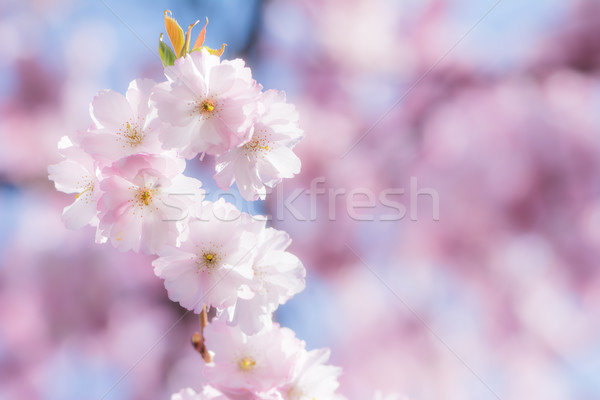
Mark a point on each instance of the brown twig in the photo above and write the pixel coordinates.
(198, 340)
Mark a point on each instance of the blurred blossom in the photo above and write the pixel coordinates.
(91, 34)
(575, 43)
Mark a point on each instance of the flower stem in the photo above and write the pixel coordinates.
(198, 337)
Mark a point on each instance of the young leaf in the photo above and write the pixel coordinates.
(166, 54)
(217, 52)
(175, 32)
(201, 36)
(188, 36)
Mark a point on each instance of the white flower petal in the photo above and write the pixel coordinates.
(110, 110)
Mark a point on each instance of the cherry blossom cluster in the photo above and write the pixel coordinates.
(127, 174)
(270, 365)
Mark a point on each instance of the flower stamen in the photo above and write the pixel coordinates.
(206, 108)
(86, 190)
(246, 364)
(144, 196)
(131, 134)
(208, 260)
(134, 135)
(257, 144)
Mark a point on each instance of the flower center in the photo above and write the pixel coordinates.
(246, 364)
(258, 144)
(132, 134)
(144, 196)
(294, 393)
(208, 260)
(260, 272)
(206, 108)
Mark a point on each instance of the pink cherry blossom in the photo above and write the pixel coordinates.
(124, 125)
(312, 378)
(78, 174)
(208, 393)
(144, 197)
(278, 275)
(255, 364)
(208, 103)
(214, 265)
(268, 157)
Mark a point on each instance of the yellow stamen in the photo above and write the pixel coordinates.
(208, 260)
(87, 189)
(133, 135)
(247, 363)
(207, 106)
(255, 145)
(145, 196)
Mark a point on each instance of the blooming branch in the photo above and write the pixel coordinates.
(126, 174)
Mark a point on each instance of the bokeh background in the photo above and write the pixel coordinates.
(495, 105)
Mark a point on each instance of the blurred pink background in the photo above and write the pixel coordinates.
(492, 106)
